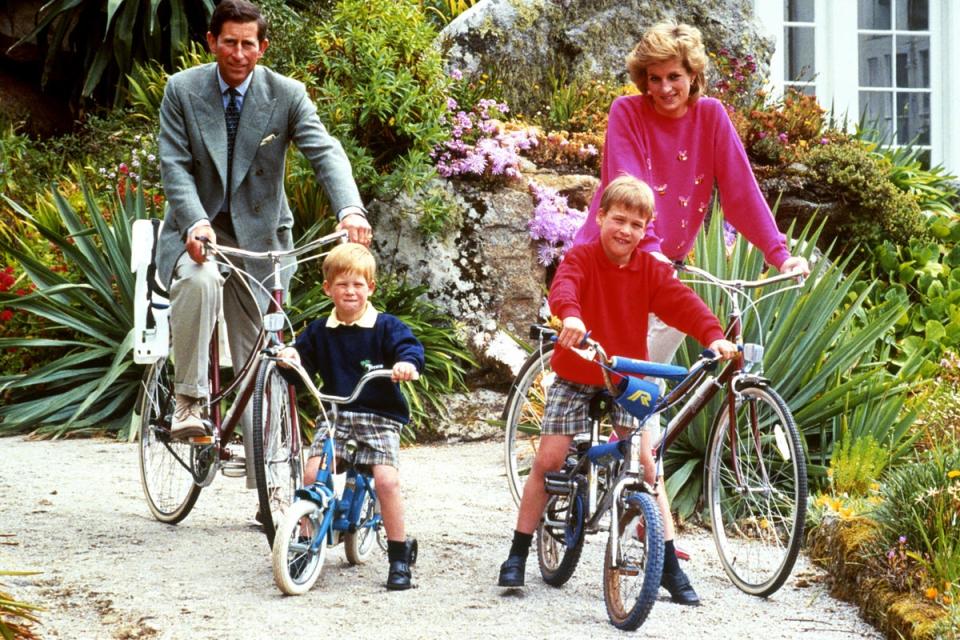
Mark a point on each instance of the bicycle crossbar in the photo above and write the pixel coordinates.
(621, 364)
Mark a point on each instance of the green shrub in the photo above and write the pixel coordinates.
(17, 619)
(856, 464)
(381, 90)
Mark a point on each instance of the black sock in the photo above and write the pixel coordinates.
(521, 544)
(396, 550)
(670, 562)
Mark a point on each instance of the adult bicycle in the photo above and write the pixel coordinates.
(756, 481)
(174, 472)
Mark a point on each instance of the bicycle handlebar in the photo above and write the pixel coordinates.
(740, 284)
(322, 397)
(337, 236)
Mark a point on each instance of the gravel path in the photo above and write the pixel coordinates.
(74, 511)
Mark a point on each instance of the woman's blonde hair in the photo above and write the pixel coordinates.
(668, 41)
(628, 192)
(350, 258)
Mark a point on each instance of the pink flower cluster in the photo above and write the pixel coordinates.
(479, 145)
(554, 223)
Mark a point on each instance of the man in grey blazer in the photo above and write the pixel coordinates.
(224, 132)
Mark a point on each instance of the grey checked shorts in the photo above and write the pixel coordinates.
(567, 409)
(377, 437)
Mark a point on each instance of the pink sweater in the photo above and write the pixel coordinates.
(680, 158)
(615, 302)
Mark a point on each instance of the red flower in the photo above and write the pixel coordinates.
(6, 315)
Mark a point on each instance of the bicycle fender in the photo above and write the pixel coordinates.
(319, 494)
(750, 379)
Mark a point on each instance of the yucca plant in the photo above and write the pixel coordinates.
(820, 343)
(16, 617)
(91, 388)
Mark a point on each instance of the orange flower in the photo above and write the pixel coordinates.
(931, 593)
(955, 473)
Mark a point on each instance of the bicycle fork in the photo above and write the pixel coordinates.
(631, 477)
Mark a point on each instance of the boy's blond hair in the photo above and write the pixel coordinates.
(629, 193)
(667, 41)
(350, 258)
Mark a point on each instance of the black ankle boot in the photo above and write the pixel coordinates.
(512, 571)
(400, 577)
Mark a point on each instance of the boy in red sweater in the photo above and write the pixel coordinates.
(611, 287)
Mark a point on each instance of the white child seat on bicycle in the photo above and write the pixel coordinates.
(151, 307)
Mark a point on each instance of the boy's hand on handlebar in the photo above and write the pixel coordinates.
(572, 333)
(197, 240)
(724, 348)
(288, 353)
(796, 264)
(357, 228)
(403, 371)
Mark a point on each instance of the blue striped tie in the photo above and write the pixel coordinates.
(232, 116)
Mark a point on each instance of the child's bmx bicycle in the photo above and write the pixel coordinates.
(756, 481)
(174, 472)
(337, 507)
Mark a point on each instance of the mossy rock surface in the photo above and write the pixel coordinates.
(842, 546)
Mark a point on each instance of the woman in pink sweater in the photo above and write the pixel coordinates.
(681, 144)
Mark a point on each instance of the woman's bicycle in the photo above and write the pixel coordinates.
(756, 481)
(326, 512)
(174, 472)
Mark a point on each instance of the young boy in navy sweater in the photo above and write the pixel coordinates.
(610, 287)
(342, 347)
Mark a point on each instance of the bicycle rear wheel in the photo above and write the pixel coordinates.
(524, 412)
(277, 454)
(295, 567)
(165, 464)
(757, 490)
(630, 588)
(560, 535)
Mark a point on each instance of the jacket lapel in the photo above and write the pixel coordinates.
(258, 107)
(208, 107)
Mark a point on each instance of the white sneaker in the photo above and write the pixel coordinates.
(187, 418)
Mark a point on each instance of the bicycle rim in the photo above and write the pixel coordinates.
(630, 588)
(757, 488)
(277, 454)
(524, 413)
(167, 481)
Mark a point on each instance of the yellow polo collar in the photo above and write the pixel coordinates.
(366, 320)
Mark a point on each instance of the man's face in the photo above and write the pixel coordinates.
(237, 50)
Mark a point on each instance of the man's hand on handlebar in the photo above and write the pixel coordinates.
(724, 348)
(572, 333)
(288, 353)
(357, 228)
(403, 371)
(197, 239)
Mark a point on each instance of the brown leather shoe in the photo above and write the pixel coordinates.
(187, 418)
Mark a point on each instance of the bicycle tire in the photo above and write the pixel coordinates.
(757, 522)
(559, 547)
(524, 412)
(277, 454)
(359, 544)
(168, 482)
(630, 589)
(295, 567)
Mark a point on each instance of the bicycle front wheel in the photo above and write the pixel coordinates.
(165, 464)
(560, 535)
(524, 413)
(277, 454)
(630, 584)
(757, 489)
(295, 567)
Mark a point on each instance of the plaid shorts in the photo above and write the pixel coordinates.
(377, 438)
(568, 406)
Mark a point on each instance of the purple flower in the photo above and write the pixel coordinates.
(456, 74)
(451, 104)
(824, 141)
(783, 138)
(902, 539)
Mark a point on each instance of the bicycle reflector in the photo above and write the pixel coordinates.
(638, 396)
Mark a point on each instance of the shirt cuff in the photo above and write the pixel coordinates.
(351, 210)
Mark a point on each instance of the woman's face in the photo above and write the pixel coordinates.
(668, 83)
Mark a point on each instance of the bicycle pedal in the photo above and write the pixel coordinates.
(234, 469)
(200, 440)
(628, 571)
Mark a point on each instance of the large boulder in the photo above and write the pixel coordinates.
(530, 43)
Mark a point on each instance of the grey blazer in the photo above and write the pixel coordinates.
(193, 161)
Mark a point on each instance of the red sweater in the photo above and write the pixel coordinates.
(614, 303)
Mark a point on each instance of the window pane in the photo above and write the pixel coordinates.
(913, 15)
(876, 114)
(875, 52)
(798, 10)
(913, 61)
(913, 118)
(874, 14)
(799, 58)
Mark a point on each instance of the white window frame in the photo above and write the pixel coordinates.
(836, 57)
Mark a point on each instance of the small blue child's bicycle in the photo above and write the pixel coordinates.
(324, 514)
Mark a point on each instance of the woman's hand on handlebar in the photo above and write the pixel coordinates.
(795, 264)
(197, 239)
(724, 348)
(572, 333)
(403, 371)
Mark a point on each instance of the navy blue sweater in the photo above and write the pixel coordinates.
(341, 355)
